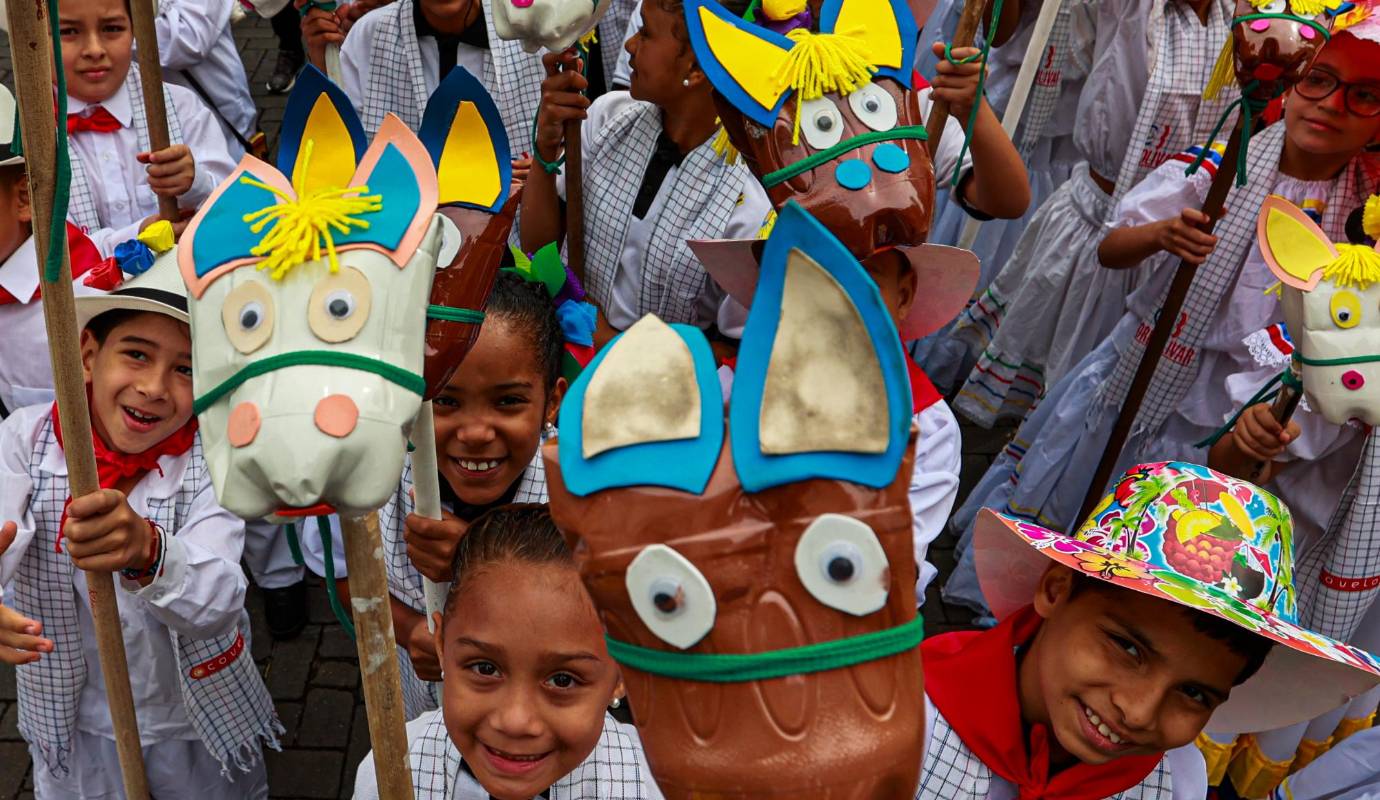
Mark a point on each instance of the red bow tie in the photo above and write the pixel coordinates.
(98, 121)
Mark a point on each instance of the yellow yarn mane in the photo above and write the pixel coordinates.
(305, 224)
(1370, 218)
(723, 147)
(1223, 72)
(1305, 8)
(821, 63)
(1357, 266)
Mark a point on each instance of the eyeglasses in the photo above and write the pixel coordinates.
(1362, 99)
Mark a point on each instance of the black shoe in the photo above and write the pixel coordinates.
(285, 72)
(286, 610)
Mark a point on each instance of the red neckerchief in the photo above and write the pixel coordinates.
(113, 466)
(971, 679)
(98, 121)
(86, 260)
(922, 391)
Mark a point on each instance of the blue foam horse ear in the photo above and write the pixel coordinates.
(740, 59)
(821, 388)
(319, 112)
(647, 411)
(464, 133)
(887, 27)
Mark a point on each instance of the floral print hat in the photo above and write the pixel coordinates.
(1192, 536)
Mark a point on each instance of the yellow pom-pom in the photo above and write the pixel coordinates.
(305, 226)
(1357, 266)
(1370, 218)
(821, 63)
(782, 10)
(158, 237)
(1223, 72)
(724, 148)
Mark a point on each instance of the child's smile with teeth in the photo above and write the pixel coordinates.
(1102, 726)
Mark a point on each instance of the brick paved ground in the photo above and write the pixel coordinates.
(314, 679)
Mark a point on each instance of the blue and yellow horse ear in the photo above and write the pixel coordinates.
(740, 59)
(464, 133)
(821, 388)
(887, 29)
(322, 139)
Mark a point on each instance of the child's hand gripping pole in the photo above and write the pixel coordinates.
(33, 40)
(141, 15)
(426, 488)
(968, 22)
(378, 660)
(1286, 402)
(331, 53)
(1164, 324)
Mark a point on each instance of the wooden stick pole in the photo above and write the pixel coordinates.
(32, 58)
(378, 660)
(333, 64)
(1020, 93)
(426, 490)
(574, 201)
(968, 23)
(1286, 402)
(151, 78)
(1159, 336)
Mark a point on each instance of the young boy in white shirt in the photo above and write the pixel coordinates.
(202, 707)
(116, 181)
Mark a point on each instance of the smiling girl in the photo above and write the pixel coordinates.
(527, 679)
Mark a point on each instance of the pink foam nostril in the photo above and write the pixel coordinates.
(1353, 380)
(336, 415)
(1307, 32)
(1260, 25)
(243, 424)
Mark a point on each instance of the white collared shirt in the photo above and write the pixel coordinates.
(26, 375)
(200, 592)
(194, 37)
(119, 183)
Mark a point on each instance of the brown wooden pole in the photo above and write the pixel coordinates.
(968, 23)
(151, 78)
(574, 201)
(378, 660)
(1159, 336)
(1286, 402)
(32, 59)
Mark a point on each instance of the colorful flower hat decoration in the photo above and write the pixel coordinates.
(1195, 537)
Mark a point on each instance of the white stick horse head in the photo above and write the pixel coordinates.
(308, 286)
(1331, 299)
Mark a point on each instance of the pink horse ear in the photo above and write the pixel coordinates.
(1293, 245)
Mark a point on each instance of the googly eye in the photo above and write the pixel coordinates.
(247, 315)
(821, 123)
(671, 596)
(1274, 7)
(875, 106)
(842, 565)
(451, 239)
(1346, 309)
(339, 305)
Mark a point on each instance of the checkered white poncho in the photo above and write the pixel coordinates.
(82, 207)
(952, 772)
(612, 772)
(396, 84)
(699, 205)
(1339, 575)
(229, 708)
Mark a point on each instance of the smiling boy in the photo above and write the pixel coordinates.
(201, 704)
(1171, 611)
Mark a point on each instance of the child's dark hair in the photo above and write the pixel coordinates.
(102, 324)
(527, 307)
(1253, 647)
(522, 533)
